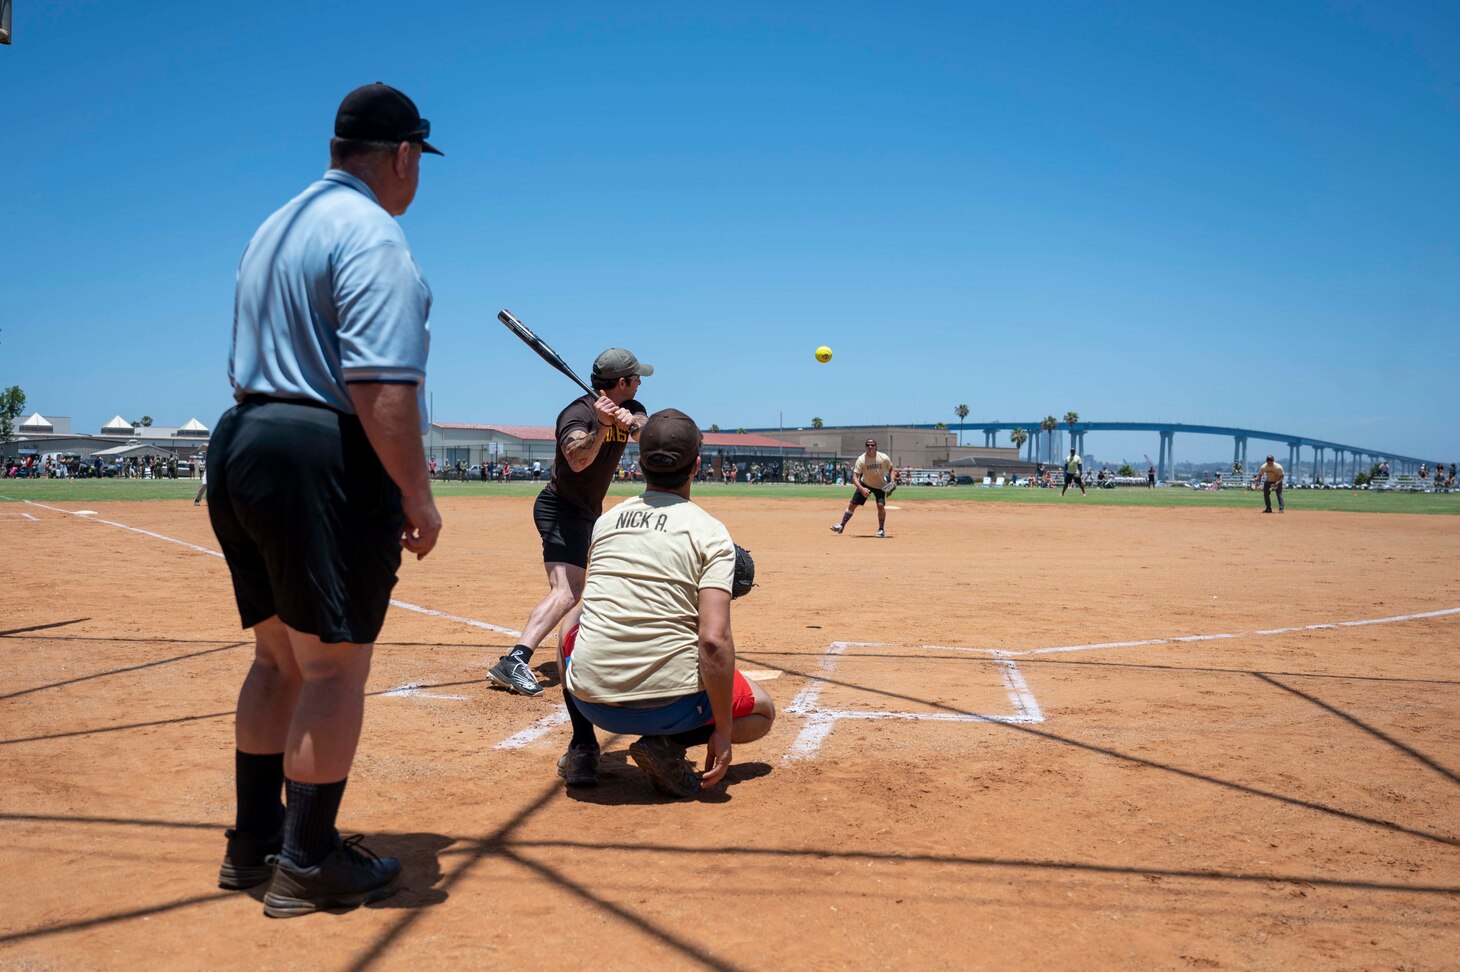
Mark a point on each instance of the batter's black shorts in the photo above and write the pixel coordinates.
(858, 499)
(309, 521)
(566, 529)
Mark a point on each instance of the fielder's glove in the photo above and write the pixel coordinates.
(744, 573)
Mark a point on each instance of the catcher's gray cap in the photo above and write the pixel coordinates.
(670, 441)
(616, 363)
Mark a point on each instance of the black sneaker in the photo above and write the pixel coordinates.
(247, 861)
(663, 759)
(349, 877)
(579, 765)
(512, 673)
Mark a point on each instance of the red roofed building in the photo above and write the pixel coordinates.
(522, 445)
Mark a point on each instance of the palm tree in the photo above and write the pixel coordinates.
(816, 422)
(1070, 419)
(714, 428)
(962, 412)
(1049, 424)
(1018, 437)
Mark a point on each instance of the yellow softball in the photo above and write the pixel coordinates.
(823, 354)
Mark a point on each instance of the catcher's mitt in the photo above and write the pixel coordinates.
(744, 573)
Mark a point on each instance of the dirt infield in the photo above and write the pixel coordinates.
(940, 789)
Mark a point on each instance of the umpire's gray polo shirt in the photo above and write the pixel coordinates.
(328, 294)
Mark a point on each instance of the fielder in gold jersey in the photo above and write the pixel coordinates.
(872, 475)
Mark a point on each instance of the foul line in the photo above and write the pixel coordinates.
(404, 605)
(1266, 632)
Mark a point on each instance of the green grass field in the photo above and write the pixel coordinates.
(1349, 501)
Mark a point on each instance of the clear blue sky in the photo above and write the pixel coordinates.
(1237, 213)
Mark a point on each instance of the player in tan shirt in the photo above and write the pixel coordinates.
(1271, 475)
(872, 474)
(653, 654)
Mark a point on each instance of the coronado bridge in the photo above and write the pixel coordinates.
(1331, 461)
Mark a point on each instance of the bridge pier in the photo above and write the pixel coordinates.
(1166, 461)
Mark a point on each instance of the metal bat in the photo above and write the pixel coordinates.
(540, 346)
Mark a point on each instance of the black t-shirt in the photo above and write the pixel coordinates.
(586, 489)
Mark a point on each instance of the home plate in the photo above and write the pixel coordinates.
(763, 676)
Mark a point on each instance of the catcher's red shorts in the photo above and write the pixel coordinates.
(742, 698)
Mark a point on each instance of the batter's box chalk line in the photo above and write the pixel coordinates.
(820, 721)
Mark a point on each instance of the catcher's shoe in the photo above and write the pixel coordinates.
(512, 673)
(349, 877)
(663, 759)
(579, 765)
(248, 861)
(881, 533)
(836, 528)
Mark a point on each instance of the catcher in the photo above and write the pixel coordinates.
(651, 654)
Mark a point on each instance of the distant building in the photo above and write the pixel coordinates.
(45, 435)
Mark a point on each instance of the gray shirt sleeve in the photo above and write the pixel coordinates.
(383, 305)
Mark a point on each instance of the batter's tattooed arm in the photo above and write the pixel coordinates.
(581, 448)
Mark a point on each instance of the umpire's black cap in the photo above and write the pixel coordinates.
(379, 113)
(670, 441)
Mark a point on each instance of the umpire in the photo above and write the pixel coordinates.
(317, 481)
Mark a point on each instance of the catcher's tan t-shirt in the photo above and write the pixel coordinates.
(874, 476)
(640, 632)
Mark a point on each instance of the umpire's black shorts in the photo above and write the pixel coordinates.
(566, 529)
(858, 499)
(309, 521)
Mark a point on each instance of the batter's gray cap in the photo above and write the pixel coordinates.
(616, 363)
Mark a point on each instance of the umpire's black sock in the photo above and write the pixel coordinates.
(522, 653)
(695, 737)
(258, 782)
(583, 731)
(309, 820)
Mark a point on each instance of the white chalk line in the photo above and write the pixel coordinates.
(412, 690)
(535, 731)
(1266, 632)
(35, 519)
(820, 721)
(404, 605)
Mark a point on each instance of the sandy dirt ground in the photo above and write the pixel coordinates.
(939, 790)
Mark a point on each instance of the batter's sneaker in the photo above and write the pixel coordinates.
(579, 765)
(836, 528)
(248, 861)
(663, 759)
(512, 673)
(881, 533)
(349, 877)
